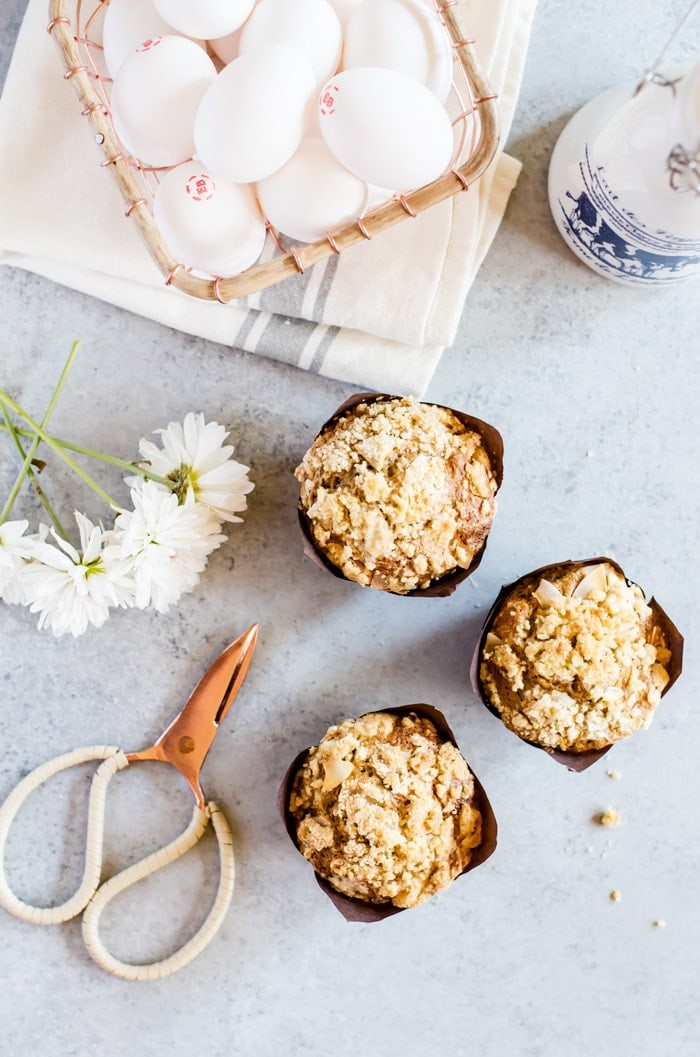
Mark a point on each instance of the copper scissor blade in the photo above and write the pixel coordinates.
(187, 740)
(239, 653)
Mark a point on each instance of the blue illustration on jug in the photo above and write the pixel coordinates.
(617, 240)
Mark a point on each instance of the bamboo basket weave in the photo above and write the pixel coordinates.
(75, 25)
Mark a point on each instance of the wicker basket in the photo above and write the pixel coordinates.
(75, 26)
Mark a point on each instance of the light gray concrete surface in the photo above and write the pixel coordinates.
(594, 388)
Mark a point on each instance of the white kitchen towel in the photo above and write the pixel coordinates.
(378, 315)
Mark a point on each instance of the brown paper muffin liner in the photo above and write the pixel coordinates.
(445, 585)
(357, 909)
(574, 761)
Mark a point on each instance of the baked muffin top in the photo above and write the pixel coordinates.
(384, 809)
(398, 493)
(574, 661)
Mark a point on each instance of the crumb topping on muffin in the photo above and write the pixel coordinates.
(398, 493)
(576, 661)
(385, 809)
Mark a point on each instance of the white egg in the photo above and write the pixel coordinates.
(377, 196)
(310, 25)
(344, 8)
(155, 96)
(212, 226)
(401, 35)
(127, 23)
(205, 18)
(386, 127)
(254, 116)
(312, 195)
(227, 48)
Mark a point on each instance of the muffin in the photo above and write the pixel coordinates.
(386, 809)
(572, 658)
(399, 495)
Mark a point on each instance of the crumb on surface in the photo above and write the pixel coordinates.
(385, 810)
(616, 895)
(398, 493)
(659, 923)
(609, 817)
(613, 774)
(576, 661)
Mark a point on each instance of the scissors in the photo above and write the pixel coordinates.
(184, 745)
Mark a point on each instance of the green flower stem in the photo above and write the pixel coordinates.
(9, 426)
(55, 446)
(19, 479)
(112, 460)
(60, 384)
(26, 465)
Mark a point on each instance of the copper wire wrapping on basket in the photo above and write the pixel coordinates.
(403, 202)
(134, 205)
(74, 26)
(462, 178)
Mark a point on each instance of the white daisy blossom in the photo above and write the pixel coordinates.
(153, 553)
(163, 544)
(15, 548)
(72, 589)
(196, 459)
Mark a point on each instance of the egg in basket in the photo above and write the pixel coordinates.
(252, 139)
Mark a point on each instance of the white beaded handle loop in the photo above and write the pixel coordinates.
(114, 760)
(93, 899)
(121, 881)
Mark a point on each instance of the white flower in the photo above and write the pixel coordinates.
(196, 459)
(71, 589)
(163, 544)
(15, 548)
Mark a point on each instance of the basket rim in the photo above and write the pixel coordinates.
(62, 27)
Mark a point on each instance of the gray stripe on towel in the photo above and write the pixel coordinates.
(323, 347)
(285, 339)
(244, 329)
(325, 286)
(287, 296)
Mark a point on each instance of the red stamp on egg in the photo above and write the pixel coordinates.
(200, 187)
(149, 44)
(327, 100)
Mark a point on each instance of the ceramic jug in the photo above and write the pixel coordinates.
(624, 181)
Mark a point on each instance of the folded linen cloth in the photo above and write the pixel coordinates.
(378, 315)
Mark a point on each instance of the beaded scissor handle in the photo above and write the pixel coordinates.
(184, 745)
(91, 897)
